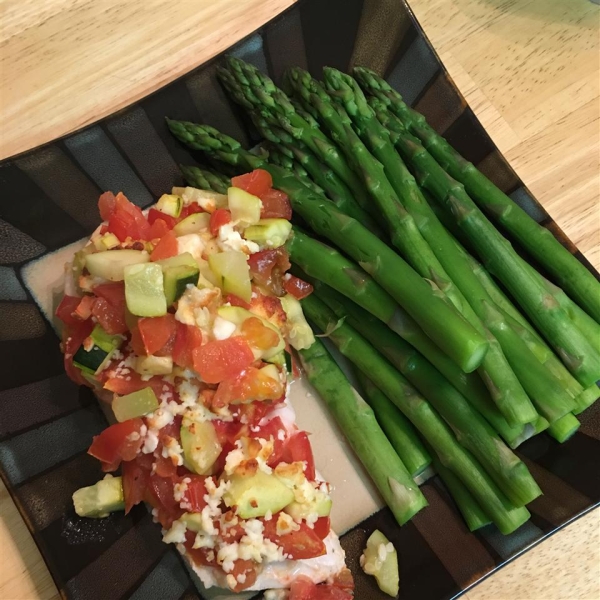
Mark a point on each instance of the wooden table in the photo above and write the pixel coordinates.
(530, 69)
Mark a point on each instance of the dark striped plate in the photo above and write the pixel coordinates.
(49, 200)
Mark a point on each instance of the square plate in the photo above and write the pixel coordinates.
(46, 422)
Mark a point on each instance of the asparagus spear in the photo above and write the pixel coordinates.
(571, 274)
(358, 423)
(504, 386)
(205, 179)
(431, 426)
(525, 284)
(396, 427)
(255, 91)
(471, 429)
(564, 428)
(324, 263)
(469, 508)
(440, 322)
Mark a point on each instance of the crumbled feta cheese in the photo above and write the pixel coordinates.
(285, 524)
(268, 516)
(179, 489)
(191, 243)
(222, 328)
(227, 555)
(246, 449)
(231, 581)
(202, 540)
(175, 535)
(230, 239)
(159, 418)
(188, 393)
(173, 450)
(192, 306)
(150, 441)
(311, 519)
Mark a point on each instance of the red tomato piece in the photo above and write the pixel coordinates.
(297, 287)
(127, 220)
(246, 570)
(303, 588)
(160, 494)
(275, 205)
(157, 331)
(300, 544)
(136, 475)
(193, 497)
(132, 382)
(187, 338)
(249, 384)
(164, 466)
(190, 209)
(158, 229)
(156, 215)
(227, 431)
(219, 359)
(298, 448)
(231, 533)
(73, 337)
(136, 342)
(106, 205)
(253, 412)
(66, 308)
(84, 309)
(322, 527)
(110, 318)
(113, 292)
(267, 268)
(236, 301)
(275, 429)
(257, 182)
(120, 441)
(220, 217)
(166, 247)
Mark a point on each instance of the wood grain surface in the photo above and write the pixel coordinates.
(530, 69)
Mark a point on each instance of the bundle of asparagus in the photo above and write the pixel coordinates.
(454, 372)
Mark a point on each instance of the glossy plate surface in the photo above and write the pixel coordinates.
(49, 201)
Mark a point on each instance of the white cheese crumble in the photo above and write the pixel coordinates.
(222, 328)
(230, 239)
(180, 488)
(285, 524)
(191, 243)
(173, 450)
(159, 418)
(175, 535)
(150, 441)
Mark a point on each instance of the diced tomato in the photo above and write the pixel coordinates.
(219, 359)
(231, 533)
(158, 229)
(322, 527)
(220, 217)
(297, 448)
(120, 441)
(132, 382)
(136, 475)
(187, 338)
(259, 336)
(297, 287)
(73, 337)
(275, 429)
(275, 205)
(155, 215)
(113, 292)
(157, 331)
(66, 308)
(227, 431)
(193, 497)
(136, 341)
(246, 571)
(236, 301)
(164, 466)
(166, 247)
(172, 430)
(127, 220)
(160, 494)
(253, 412)
(200, 556)
(303, 588)
(257, 182)
(110, 318)
(267, 268)
(249, 384)
(84, 309)
(106, 205)
(299, 544)
(190, 209)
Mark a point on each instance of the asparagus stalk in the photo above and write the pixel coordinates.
(471, 429)
(506, 516)
(397, 428)
(255, 91)
(525, 284)
(474, 516)
(440, 322)
(205, 180)
(504, 386)
(564, 428)
(323, 263)
(359, 425)
(571, 274)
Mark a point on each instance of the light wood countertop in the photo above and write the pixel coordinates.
(530, 69)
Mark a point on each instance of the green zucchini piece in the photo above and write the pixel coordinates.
(144, 290)
(192, 224)
(176, 279)
(200, 444)
(99, 500)
(170, 204)
(271, 233)
(232, 272)
(98, 354)
(380, 559)
(301, 335)
(136, 404)
(111, 264)
(245, 208)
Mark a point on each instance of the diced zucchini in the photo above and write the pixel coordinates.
(154, 365)
(98, 354)
(192, 224)
(136, 404)
(277, 359)
(245, 208)
(183, 259)
(144, 290)
(319, 505)
(111, 264)
(380, 559)
(200, 444)
(176, 279)
(300, 334)
(108, 241)
(170, 204)
(100, 499)
(232, 272)
(193, 521)
(208, 200)
(257, 494)
(270, 233)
